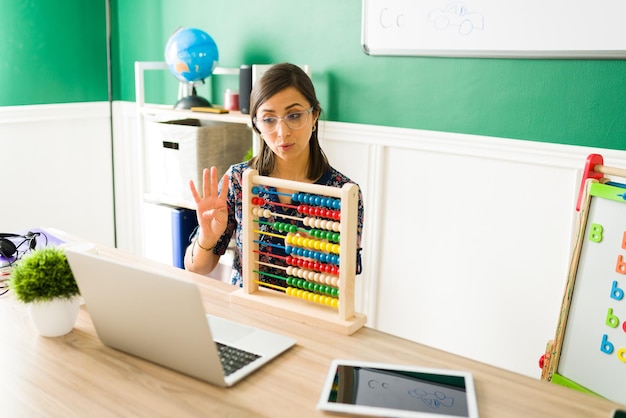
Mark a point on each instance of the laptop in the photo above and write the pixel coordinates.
(155, 311)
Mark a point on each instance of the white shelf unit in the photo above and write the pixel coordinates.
(159, 113)
(148, 113)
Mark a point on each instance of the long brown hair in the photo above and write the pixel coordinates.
(277, 78)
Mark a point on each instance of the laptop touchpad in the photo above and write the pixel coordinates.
(226, 331)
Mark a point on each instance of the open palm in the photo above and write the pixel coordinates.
(211, 207)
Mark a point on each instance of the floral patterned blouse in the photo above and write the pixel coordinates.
(235, 205)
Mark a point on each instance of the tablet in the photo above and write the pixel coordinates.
(378, 389)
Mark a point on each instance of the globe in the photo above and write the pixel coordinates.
(191, 55)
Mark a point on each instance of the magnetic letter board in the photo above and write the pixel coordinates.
(589, 351)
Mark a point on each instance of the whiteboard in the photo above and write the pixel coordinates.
(495, 28)
(592, 352)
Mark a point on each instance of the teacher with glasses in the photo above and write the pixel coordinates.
(285, 113)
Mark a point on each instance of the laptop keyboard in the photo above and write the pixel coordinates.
(233, 358)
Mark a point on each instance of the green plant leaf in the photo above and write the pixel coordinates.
(42, 275)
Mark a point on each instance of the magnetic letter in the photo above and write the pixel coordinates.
(624, 241)
(611, 320)
(621, 266)
(595, 233)
(616, 292)
(606, 346)
(621, 355)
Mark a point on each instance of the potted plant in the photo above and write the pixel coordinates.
(43, 280)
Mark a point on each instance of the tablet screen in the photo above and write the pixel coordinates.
(383, 389)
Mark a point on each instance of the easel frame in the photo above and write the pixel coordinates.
(594, 173)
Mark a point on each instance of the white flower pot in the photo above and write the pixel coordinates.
(56, 317)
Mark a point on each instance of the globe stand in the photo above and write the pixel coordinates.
(188, 98)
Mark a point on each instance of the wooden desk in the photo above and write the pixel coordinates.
(77, 376)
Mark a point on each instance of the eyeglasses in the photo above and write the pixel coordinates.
(294, 120)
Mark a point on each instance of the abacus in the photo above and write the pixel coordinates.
(317, 284)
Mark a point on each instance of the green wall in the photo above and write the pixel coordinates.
(52, 51)
(579, 102)
(57, 53)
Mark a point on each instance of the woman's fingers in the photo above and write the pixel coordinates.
(214, 181)
(224, 191)
(206, 183)
(194, 191)
(209, 186)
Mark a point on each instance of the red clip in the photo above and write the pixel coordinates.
(589, 173)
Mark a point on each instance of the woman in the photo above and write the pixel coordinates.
(285, 113)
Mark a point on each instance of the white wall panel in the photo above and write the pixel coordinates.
(469, 237)
(56, 165)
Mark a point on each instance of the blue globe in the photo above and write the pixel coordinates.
(191, 54)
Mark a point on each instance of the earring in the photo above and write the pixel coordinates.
(314, 128)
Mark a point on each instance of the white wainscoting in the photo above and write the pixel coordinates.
(467, 239)
(57, 169)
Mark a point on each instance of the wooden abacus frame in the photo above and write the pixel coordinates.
(343, 319)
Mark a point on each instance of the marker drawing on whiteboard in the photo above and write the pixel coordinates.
(390, 18)
(456, 14)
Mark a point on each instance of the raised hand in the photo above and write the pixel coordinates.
(211, 207)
